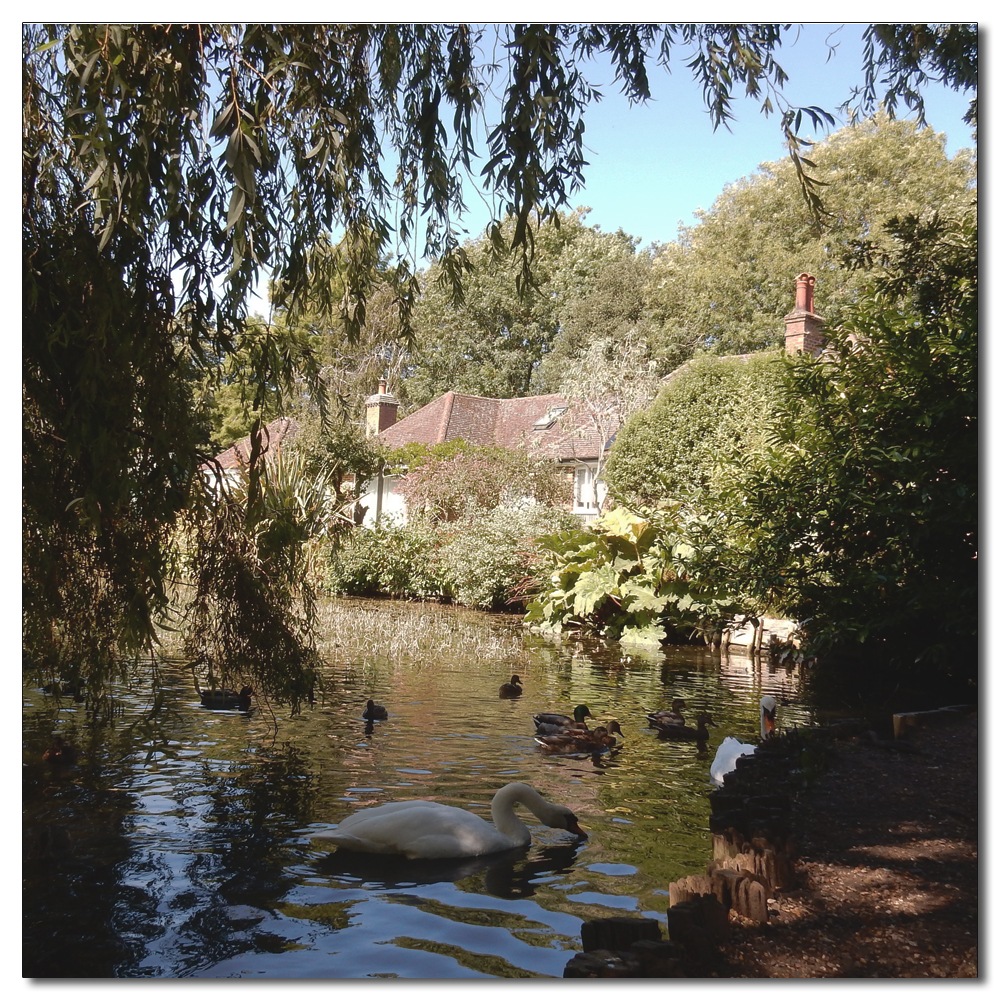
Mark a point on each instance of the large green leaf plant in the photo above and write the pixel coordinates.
(630, 578)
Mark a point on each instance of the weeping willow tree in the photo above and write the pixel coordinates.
(168, 169)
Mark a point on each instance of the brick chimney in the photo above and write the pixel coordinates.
(803, 328)
(380, 410)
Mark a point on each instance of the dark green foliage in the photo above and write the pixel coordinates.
(865, 518)
(492, 341)
(110, 444)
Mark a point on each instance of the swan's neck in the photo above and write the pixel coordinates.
(507, 821)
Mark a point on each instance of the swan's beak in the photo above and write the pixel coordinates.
(574, 827)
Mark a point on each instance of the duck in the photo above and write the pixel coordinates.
(563, 721)
(61, 753)
(731, 749)
(373, 711)
(513, 689)
(419, 828)
(699, 733)
(668, 716)
(225, 698)
(586, 741)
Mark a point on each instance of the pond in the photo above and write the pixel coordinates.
(196, 857)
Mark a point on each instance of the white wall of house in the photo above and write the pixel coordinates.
(393, 506)
(584, 503)
(230, 477)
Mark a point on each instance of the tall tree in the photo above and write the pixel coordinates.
(493, 341)
(722, 286)
(611, 381)
(167, 168)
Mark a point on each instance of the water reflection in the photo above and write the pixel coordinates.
(187, 851)
(513, 874)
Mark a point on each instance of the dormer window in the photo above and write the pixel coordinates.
(551, 415)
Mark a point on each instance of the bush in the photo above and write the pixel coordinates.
(629, 578)
(492, 559)
(486, 560)
(390, 559)
(707, 422)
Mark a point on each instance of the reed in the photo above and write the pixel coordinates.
(395, 629)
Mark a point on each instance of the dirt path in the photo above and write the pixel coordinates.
(888, 866)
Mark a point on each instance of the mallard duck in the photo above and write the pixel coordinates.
(513, 689)
(687, 732)
(61, 753)
(589, 741)
(731, 749)
(669, 716)
(423, 829)
(563, 721)
(373, 711)
(225, 698)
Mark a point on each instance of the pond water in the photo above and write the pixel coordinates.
(188, 850)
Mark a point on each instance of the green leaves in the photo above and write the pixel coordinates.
(863, 516)
(618, 578)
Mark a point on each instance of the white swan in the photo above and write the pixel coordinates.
(731, 749)
(419, 828)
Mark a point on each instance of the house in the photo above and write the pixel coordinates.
(544, 426)
(229, 466)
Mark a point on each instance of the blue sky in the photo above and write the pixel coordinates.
(653, 165)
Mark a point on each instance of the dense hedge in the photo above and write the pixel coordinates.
(713, 412)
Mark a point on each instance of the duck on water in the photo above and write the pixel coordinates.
(225, 698)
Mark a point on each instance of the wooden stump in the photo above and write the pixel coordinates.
(603, 964)
(698, 923)
(618, 933)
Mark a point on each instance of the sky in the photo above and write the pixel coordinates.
(652, 166)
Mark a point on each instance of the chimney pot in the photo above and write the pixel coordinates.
(804, 285)
(803, 328)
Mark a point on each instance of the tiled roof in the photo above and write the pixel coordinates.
(509, 423)
(275, 433)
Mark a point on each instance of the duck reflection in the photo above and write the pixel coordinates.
(508, 874)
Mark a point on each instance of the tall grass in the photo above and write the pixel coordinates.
(395, 629)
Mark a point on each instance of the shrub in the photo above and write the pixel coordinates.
(628, 578)
(491, 560)
(395, 560)
(707, 422)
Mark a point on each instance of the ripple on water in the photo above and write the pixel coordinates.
(205, 866)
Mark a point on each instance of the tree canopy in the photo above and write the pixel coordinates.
(167, 169)
(495, 341)
(722, 286)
